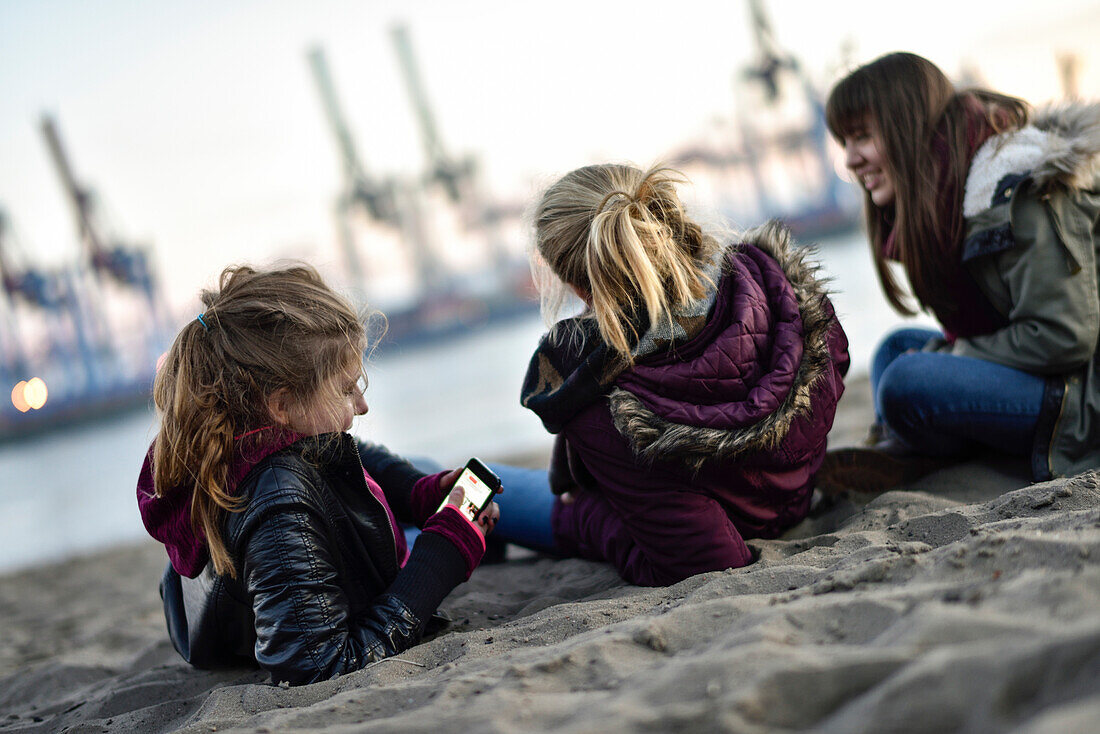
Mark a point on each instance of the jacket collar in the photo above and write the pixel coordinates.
(573, 366)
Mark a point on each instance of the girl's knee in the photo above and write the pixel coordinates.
(904, 388)
(902, 340)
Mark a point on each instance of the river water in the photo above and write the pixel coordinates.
(72, 491)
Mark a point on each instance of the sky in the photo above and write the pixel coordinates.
(200, 130)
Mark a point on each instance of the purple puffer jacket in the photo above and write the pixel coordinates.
(689, 454)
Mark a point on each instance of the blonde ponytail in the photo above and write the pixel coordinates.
(623, 237)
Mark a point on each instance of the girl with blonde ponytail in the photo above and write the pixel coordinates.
(283, 550)
(692, 397)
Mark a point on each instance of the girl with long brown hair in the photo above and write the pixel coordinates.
(989, 209)
(283, 550)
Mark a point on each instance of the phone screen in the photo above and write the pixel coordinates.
(478, 493)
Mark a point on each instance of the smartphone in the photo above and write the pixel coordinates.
(480, 485)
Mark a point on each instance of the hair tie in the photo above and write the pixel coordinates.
(204, 326)
(630, 199)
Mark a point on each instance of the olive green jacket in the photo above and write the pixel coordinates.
(1032, 208)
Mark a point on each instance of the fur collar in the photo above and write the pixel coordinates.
(652, 437)
(1060, 148)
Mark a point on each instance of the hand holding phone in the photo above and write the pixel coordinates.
(479, 485)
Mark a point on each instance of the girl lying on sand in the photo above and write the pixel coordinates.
(283, 549)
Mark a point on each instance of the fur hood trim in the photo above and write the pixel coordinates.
(1073, 151)
(1060, 148)
(651, 437)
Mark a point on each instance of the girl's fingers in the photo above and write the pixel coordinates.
(489, 517)
(448, 480)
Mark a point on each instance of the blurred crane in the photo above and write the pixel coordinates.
(458, 178)
(377, 199)
(453, 175)
(54, 296)
(771, 60)
(771, 64)
(13, 358)
(392, 203)
(782, 142)
(110, 259)
(84, 367)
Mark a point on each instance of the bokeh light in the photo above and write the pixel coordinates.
(35, 393)
(17, 398)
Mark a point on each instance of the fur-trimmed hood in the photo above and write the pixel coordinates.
(1059, 148)
(741, 383)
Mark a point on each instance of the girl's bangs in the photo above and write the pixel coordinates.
(848, 106)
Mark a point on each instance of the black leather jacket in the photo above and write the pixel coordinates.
(319, 590)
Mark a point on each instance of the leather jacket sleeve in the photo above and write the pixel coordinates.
(303, 629)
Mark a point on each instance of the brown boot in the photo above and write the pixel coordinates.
(873, 470)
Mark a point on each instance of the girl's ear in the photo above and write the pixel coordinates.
(279, 404)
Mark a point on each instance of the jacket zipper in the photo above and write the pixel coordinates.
(385, 512)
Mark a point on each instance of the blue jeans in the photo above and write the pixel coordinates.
(943, 405)
(525, 503)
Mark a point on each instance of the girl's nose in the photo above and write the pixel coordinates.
(852, 158)
(361, 405)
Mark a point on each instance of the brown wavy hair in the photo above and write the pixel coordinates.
(907, 101)
(281, 329)
(622, 235)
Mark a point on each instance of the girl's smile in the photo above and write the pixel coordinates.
(863, 157)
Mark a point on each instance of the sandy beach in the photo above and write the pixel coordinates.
(966, 602)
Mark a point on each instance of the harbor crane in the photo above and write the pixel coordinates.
(456, 177)
(55, 295)
(772, 62)
(110, 259)
(362, 192)
(779, 142)
(390, 202)
(376, 197)
(453, 175)
(14, 360)
(1069, 74)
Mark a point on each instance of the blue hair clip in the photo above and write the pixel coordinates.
(199, 317)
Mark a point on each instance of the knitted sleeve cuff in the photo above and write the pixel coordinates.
(455, 527)
(435, 567)
(426, 497)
